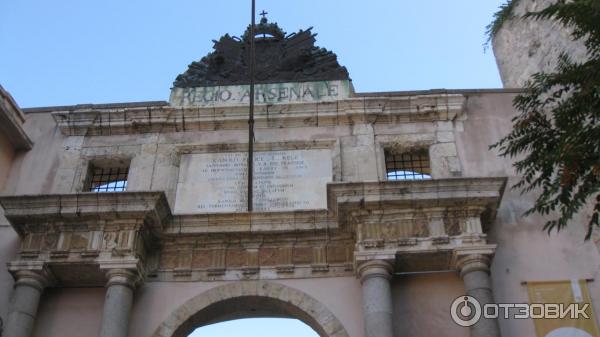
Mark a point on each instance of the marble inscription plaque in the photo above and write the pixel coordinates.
(283, 181)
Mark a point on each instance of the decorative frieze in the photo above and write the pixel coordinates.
(285, 255)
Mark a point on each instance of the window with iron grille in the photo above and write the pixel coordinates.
(413, 165)
(107, 179)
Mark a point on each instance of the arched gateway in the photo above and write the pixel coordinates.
(250, 299)
(331, 227)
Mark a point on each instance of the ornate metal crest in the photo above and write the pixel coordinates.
(279, 58)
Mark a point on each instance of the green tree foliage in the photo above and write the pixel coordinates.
(556, 136)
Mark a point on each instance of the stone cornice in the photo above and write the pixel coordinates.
(258, 222)
(132, 120)
(28, 211)
(417, 194)
(11, 119)
(264, 146)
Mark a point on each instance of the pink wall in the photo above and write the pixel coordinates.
(70, 312)
(77, 312)
(9, 244)
(422, 305)
(6, 157)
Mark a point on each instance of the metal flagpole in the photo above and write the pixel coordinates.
(251, 114)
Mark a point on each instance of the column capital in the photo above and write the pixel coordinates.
(473, 262)
(35, 278)
(375, 268)
(121, 276)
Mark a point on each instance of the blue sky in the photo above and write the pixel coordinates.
(71, 52)
(257, 327)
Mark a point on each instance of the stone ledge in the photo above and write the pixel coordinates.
(11, 120)
(262, 273)
(27, 211)
(243, 147)
(483, 192)
(92, 120)
(255, 222)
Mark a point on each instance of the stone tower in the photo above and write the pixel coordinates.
(524, 46)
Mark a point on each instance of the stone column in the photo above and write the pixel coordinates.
(117, 303)
(29, 286)
(475, 272)
(375, 278)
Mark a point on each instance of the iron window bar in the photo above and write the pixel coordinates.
(408, 165)
(111, 179)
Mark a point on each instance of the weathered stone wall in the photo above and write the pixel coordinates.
(524, 46)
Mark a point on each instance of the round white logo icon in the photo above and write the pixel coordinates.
(465, 311)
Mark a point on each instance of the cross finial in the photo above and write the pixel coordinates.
(264, 14)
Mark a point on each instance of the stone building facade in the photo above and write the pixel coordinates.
(128, 219)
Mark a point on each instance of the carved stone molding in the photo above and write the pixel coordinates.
(255, 256)
(99, 120)
(256, 222)
(243, 147)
